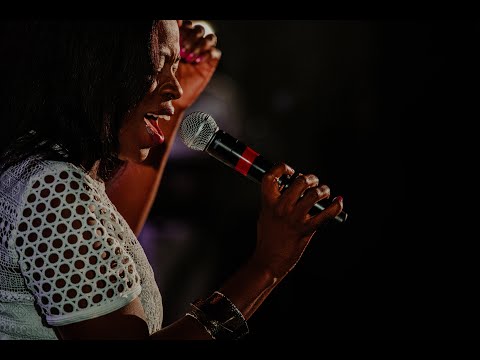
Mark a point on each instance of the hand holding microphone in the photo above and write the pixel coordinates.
(199, 131)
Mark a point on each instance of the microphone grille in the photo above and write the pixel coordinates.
(197, 129)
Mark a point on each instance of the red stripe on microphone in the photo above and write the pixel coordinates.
(246, 160)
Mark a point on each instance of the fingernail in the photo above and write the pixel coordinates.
(338, 198)
(198, 59)
(183, 52)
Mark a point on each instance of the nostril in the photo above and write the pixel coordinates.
(169, 96)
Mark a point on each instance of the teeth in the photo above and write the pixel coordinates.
(156, 117)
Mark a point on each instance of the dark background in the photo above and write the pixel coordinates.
(362, 104)
(379, 110)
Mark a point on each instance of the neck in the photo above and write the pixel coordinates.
(93, 171)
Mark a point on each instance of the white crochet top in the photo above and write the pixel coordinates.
(66, 254)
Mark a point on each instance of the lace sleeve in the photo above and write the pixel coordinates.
(71, 260)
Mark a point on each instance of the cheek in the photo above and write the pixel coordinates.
(122, 142)
(152, 88)
(131, 126)
(123, 133)
(127, 135)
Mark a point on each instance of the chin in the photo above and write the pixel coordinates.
(137, 157)
(142, 155)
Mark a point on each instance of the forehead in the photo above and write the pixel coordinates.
(165, 33)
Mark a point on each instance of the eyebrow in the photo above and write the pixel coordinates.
(163, 52)
(166, 54)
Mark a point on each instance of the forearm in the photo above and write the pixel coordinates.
(247, 289)
(134, 189)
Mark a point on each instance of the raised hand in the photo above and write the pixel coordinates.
(200, 58)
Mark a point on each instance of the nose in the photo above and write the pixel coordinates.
(172, 92)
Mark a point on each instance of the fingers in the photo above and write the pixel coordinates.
(195, 46)
(312, 196)
(192, 36)
(299, 198)
(205, 43)
(329, 213)
(270, 188)
(295, 191)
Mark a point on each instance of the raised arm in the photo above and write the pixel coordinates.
(134, 188)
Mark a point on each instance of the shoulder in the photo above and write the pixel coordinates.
(34, 175)
(34, 169)
(60, 178)
(54, 185)
(60, 172)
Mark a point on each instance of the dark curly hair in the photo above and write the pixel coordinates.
(67, 87)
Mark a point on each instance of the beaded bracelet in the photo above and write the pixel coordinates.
(220, 317)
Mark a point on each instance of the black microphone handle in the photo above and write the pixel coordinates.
(249, 163)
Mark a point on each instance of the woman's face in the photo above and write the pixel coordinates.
(142, 128)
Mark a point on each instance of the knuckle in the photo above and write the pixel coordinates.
(314, 193)
(302, 180)
(312, 180)
(307, 180)
(268, 178)
(325, 189)
(277, 167)
(211, 37)
(199, 30)
(318, 192)
(286, 168)
(283, 166)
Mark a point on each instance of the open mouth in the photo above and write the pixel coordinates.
(151, 124)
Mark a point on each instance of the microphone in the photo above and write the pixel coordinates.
(199, 131)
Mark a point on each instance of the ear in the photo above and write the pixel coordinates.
(179, 22)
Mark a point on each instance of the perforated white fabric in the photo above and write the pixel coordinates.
(66, 254)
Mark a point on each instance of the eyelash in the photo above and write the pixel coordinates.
(153, 77)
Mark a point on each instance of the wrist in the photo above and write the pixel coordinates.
(220, 317)
(271, 267)
(248, 284)
(263, 271)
